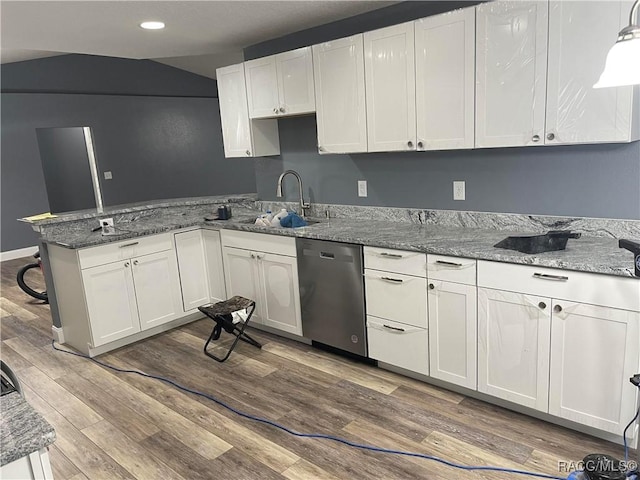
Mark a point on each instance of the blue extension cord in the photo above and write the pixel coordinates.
(318, 435)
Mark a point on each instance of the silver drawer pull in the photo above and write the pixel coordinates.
(546, 276)
(390, 255)
(396, 329)
(129, 244)
(450, 264)
(392, 280)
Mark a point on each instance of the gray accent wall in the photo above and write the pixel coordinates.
(581, 180)
(157, 147)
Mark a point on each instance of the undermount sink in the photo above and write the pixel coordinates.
(251, 221)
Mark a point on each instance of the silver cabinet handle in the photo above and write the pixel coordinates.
(550, 136)
(282, 110)
(128, 244)
(126, 264)
(420, 145)
(542, 305)
(275, 110)
(248, 152)
(396, 329)
(449, 264)
(410, 144)
(259, 256)
(135, 262)
(536, 138)
(320, 148)
(391, 255)
(392, 280)
(253, 255)
(557, 308)
(546, 276)
(431, 286)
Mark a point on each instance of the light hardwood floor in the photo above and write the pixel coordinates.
(114, 425)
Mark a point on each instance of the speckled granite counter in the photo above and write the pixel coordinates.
(22, 429)
(588, 254)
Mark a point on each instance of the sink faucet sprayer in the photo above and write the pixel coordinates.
(303, 206)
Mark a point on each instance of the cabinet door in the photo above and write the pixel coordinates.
(338, 71)
(445, 80)
(391, 90)
(157, 285)
(280, 292)
(215, 270)
(453, 332)
(262, 87)
(295, 82)
(513, 347)
(511, 69)
(594, 352)
(580, 36)
(192, 265)
(111, 301)
(241, 277)
(234, 115)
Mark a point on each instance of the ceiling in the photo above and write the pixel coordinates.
(199, 35)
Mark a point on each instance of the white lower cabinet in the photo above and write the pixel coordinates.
(513, 347)
(594, 352)
(398, 344)
(131, 295)
(271, 279)
(192, 264)
(453, 332)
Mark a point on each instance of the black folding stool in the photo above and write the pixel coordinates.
(221, 314)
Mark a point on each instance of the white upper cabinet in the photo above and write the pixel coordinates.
(340, 95)
(242, 137)
(580, 36)
(445, 80)
(511, 68)
(280, 84)
(390, 88)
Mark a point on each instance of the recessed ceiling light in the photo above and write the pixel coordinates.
(152, 25)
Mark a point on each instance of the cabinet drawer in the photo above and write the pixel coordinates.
(591, 288)
(116, 251)
(396, 297)
(398, 261)
(398, 344)
(451, 269)
(259, 241)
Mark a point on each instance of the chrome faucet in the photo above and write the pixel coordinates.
(303, 206)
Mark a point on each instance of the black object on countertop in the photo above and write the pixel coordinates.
(634, 248)
(551, 241)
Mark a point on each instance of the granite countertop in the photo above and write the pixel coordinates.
(22, 429)
(588, 254)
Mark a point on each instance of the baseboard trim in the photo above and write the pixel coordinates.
(58, 334)
(19, 253)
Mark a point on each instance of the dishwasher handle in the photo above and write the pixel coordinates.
(327, 255)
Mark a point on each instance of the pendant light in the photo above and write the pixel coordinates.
(623, 61)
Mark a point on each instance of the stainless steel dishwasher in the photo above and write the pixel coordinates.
(332, 294)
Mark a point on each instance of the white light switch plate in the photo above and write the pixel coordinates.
(362, 188)
(458, 190)
(108, 176)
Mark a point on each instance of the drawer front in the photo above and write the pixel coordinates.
(116, 251)
(451, 269)
(591, 288)
(398, 344)
(276, 244)
(393, 296)
(398, 261)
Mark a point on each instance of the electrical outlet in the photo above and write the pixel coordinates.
(362, 188)
(108, 175)
(107, 226)
(458, 190)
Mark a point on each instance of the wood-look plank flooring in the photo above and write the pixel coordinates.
(112, 425)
